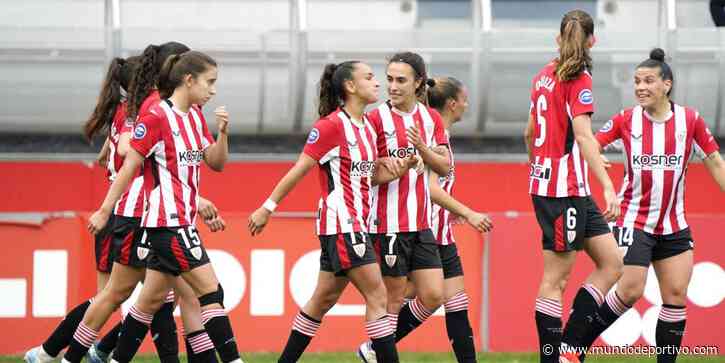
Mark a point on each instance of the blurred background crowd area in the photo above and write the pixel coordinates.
(53, 56)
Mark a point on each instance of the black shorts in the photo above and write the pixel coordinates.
(452, 266)
(403, 252)
(104, 247)
(174, 250)
(129, 249)
(643, 247)
(344, 251)
(566, 222)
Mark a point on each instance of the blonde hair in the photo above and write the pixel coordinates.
(574, 31)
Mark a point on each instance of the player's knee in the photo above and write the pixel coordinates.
(432, 299)
(613, 269)
(631, 292)
(214, 297)
(675, 296)
(117, 295)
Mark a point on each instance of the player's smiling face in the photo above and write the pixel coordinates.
(364, 84)
(649, 87)
(203, 87)
(401, 85)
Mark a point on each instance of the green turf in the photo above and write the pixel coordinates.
(431, 357)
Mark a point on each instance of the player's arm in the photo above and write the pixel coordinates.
(589, 146)
(102, 158)
(529, 137)
(716, 167)
(130, 167)
(124, 144)
(436, 157)
(439, 196)
(216, 154)
(388, 169)
(259, 218)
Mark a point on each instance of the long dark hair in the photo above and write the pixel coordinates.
(416, 62)
(146, 76)
(657, 60)
(118, 77)
(179, 65)
(443, 89)
(574, 31)
(332, 86)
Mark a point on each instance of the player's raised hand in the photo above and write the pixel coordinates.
(414, 137)
(222, 119)
(258, 220)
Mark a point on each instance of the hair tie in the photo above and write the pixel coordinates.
(430, 82)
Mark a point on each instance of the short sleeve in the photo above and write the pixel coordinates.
(323, 138)
(703, 137)
(439, 132)
(146, 134)
(580, 98)
(611, 131)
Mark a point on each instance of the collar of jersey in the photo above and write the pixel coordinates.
(652, 119)
(356, 123)
(402, 113)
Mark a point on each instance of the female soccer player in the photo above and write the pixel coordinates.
(659, 138)
(400, 217)
(449, 97)
(342, 143)
(174, 134)
(558, 134)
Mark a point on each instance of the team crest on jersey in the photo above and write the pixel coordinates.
(139, 132)
(585, 97)
(359, 249)
(313, 137)
(196, 252)
(142, 252)
(607, 126)
(570, 236)
(390, 260)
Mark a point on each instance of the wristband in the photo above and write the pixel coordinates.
(269, 205)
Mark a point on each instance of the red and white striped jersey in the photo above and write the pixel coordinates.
(346, 153)
(174, 142)
(657, 155)
(403, 205)
(558, 169)
(441, 226)
(131, 203)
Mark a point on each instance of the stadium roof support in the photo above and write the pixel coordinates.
(298, 62)
(112, 28)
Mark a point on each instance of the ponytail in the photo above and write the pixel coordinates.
(332, 86)
(166, 87)
(147, 75)
(574, 57)
(178, 66)
(110, 96)
(443, 90)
